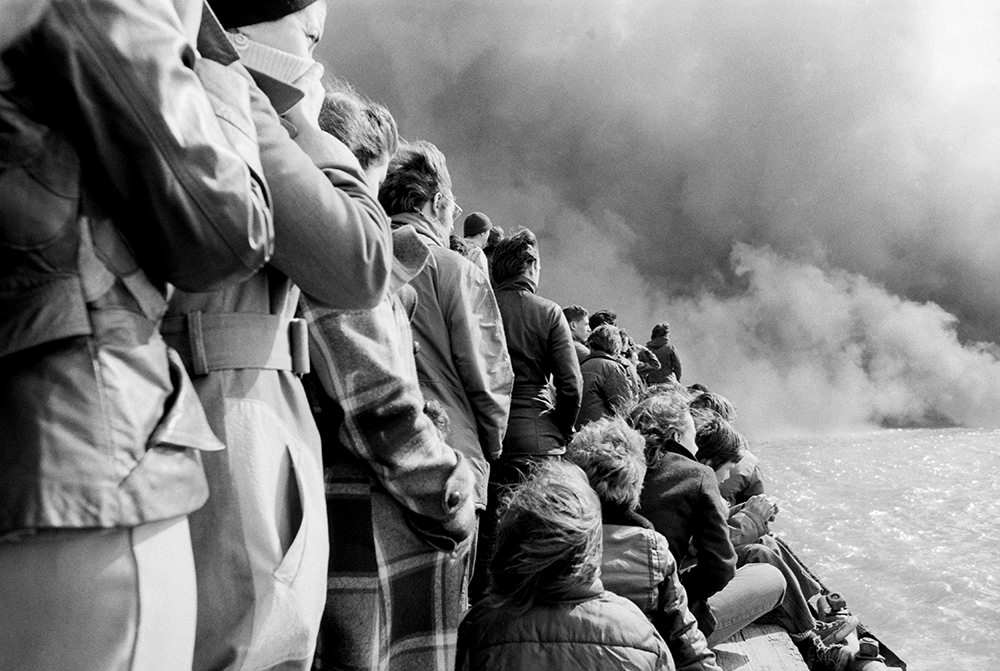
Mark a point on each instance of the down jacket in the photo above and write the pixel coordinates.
(594, 629)
(637, 565)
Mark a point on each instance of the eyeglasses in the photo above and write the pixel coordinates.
(458, 208)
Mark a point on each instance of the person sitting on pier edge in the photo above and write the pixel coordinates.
(476, 231)
(681, 498)
(576, 317)
(745, 479)
(547, 608)
(462, 360)
(546, 394)
(719, 448)
(670, 363)
(636, 561)
(399, 499)
(607, 386)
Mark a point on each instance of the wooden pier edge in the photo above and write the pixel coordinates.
(759, 647)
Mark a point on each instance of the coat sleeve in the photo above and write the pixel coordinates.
(121, 76)
(677, 625)
(716, 557)
(333, 238)
(745, 527)
(566, 377)
(479, 350)
(364, 362)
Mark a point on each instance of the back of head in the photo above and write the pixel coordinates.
(658, 417)
(575, 313)
(612, 455)
(513, 256)
(548, 539)
(605, 338)
(367, 128)
(602, 317)
(661, 330)
(416, 173)
(717, 403)
(718, 442)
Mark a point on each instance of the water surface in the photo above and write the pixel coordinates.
(906, 525)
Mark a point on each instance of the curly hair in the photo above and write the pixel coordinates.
(548, 538)
(658, 417)
(610, 452)
(718, 442)
(605, 338)
(367, 128)
(416, 173)
(602, 317)
(513, 256)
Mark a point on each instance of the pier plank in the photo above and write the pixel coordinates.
(760, 648)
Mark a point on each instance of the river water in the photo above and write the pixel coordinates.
(906, 525)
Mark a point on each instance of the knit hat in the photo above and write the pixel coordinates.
(477, 223)
(236, 13)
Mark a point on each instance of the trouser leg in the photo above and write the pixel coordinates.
(793, 612)
(755, 590)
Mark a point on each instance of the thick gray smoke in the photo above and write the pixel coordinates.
(795, 186)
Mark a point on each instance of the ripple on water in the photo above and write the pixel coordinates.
(902, 523)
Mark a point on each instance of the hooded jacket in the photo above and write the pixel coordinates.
(462, 359)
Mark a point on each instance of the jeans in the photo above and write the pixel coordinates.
(793, 612)
(753, 591)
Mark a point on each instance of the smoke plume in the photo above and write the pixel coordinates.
(807, 191)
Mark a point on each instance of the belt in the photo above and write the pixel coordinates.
(210, 341)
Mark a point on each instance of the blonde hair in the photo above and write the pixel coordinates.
(548, 538)
(611, 454)
(658, 417)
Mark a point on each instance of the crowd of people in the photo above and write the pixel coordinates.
(270, 402)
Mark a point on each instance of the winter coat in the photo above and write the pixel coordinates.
(637, 565)
(392, 484)
(606, 387)
(462, 359)
(592, 630)
(265, 522)
(541, 349)
(681, 498)
(103, 204)
(670, 363)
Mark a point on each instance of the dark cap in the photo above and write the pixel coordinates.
(477, 223)
(236, 13)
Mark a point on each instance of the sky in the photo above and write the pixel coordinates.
(807, 191)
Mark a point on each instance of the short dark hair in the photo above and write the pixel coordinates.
(575, 313)
(660, 330)
(718, 442)
(513, 256)
(366, 127)
(602, 317)
(416, 173)
(716, 403)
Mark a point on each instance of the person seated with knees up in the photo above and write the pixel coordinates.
(636, 562)
(719, 447)
(681, 498)
(547, 608)
(745, 479)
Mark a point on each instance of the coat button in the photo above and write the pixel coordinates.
(239, 40)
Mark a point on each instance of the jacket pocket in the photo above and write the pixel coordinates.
(291, 561)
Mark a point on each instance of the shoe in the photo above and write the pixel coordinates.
(836, 629)
(822, 657)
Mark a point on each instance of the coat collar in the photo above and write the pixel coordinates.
(612, 513)
(674, 447)
(423, 226)
(519, 283)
